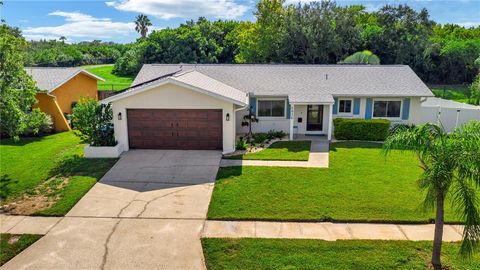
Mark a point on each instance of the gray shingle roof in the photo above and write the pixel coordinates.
(199, 80)
(190, 78)
(302, 82)
(50, 78)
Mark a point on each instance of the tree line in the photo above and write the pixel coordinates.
(313, 33)
(57, 53)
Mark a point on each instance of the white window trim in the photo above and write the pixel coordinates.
(272, 117)
(389, 118)
(345, 113)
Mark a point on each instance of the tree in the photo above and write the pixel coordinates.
(17, 88)
(362, 58)
(475, 91)
(451, 171)
(142, 23)
(62, 39)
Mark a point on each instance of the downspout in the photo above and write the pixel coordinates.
(247, 106)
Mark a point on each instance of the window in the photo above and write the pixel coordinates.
(387, 109)
(345, 106)
(271, 108)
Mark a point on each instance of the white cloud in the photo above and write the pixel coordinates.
(469, 24)
(168, 9)
(79, 25)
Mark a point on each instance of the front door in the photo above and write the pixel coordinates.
(314, 117)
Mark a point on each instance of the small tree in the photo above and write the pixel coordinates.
(94, 122)
(248, 119)
(451, 170)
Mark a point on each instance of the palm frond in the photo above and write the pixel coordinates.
(466, 202)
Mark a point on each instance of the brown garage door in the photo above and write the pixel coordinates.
(175, 129)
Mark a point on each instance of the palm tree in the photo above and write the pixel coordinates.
(451, 170)
(141, 25)
(362, 58)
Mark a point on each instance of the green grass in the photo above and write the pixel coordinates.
(451, 92)
(112, 81)
(359, 185)
(316, 254)
(28, 163)
(8, 251)
(284, 150)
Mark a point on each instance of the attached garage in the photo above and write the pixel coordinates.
(182, 111)
(186, 129)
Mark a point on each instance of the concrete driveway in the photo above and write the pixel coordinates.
(147, 212)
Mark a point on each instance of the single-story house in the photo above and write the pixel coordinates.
(186, 106)
(60, 89)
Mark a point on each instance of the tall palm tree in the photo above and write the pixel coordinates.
(142, 23)
(451, 170)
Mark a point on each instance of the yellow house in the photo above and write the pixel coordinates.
(60, 89)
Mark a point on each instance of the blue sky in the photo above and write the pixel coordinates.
(112, 20)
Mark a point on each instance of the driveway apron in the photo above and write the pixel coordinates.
(147, 212)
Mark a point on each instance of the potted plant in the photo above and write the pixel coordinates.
(93, 124)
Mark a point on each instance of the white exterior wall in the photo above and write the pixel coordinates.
(170, 96)
(415, 116)
(263, 125)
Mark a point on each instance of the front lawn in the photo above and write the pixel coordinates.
(112, 81)
(47, 175)
(316, 254)
(283, 150)
(11, 245)
(359, 185)
(457, 93)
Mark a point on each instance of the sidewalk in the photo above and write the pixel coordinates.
(27, 224)
(263, 229)
(327, 230)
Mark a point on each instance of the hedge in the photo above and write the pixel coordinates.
(361, 129)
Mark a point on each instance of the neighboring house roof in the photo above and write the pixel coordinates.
(50, 78)
(303, 83)
(444, 103)
(190, 79)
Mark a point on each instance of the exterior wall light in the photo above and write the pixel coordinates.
(227, 117)
(119, 116)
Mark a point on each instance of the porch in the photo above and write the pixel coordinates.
(311, 121)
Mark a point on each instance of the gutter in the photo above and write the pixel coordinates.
(246, 106)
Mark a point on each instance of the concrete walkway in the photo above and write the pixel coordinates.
(327, 231)
(318, 158)
(147, 212)
(27, 224)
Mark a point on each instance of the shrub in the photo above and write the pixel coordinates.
(259, 137)
(361, 129)
(272, 134)
(38, 122)
(94, 122)
(241, 144)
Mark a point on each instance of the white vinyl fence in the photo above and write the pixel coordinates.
(449, 113)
